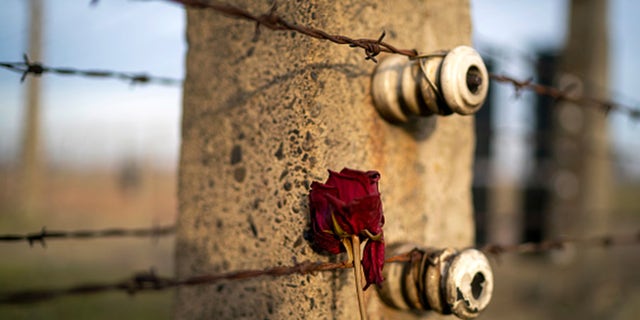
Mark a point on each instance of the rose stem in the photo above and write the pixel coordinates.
(357, 269)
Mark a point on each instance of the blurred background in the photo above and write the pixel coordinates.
(92, 153)
(547, 169)
(85, 153)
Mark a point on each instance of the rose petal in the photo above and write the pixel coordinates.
(341, 218)
(365, 213)
(373, 262)
(349, 204)
(352, 185)
(368, 179)
(324, 239)
(326, 242)
(319, 205)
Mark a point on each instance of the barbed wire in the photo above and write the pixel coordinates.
(506, 54)
(27, 67)
(560, 95)
(373, 47)
(604, 241)
(43, 235)
(270, 20)
(149, 281)
(37, 69)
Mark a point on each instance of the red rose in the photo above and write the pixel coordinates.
(348, 205)
(373, 261)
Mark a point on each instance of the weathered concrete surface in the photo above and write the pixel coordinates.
(264, 118)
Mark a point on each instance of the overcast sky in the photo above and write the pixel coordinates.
(103, 122)
(90, 122)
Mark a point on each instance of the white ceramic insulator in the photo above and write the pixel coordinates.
(453, 80)
(387, 88)
(401, 87)
(469, 284)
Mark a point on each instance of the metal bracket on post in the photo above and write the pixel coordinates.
(440, 83)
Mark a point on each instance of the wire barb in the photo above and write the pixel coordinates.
(371, 49)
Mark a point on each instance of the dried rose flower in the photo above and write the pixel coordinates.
(345, 211)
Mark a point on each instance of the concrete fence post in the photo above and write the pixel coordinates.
(266, 114)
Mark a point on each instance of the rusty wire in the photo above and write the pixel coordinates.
(373, 47)
(44, 234)
(604, 241)
(560, 95)
(27, 67)
(149, 281)
(270, 20)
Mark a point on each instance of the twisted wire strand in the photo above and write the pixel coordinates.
(43, 235)
(27, 67)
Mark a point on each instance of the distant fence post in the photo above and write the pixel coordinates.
(31, 155)
(266, 113)
(583, 185)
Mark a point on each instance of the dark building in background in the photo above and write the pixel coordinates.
(533, 203)
(482, 164)
(537, 193)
